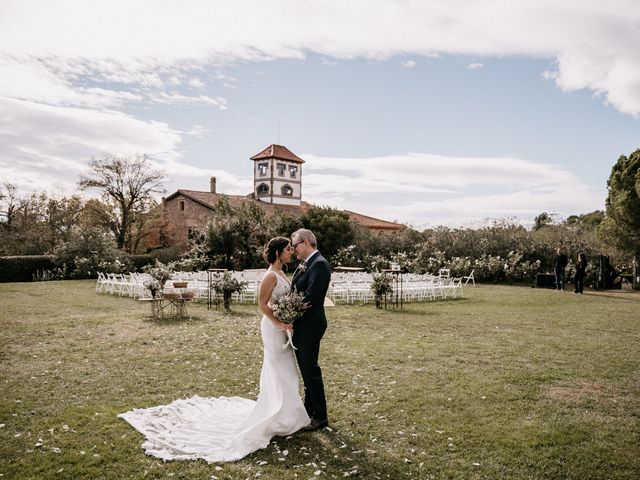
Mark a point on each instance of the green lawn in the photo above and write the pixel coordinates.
(507, 382)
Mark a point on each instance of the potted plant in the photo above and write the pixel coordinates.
(227, 285)
(381, 287)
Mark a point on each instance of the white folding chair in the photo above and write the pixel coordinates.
(101, 283)
(469, 277)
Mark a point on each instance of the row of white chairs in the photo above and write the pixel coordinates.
(356, 287)
(345, 287)
(133, 284)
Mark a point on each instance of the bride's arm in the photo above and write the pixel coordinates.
(269, 282)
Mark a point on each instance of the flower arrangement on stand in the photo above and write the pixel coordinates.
(159, 274)
(381, 287)
(226, 285)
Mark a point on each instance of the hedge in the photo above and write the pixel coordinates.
(22, 268)
(139, 261)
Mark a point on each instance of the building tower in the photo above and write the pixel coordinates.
(277, 176)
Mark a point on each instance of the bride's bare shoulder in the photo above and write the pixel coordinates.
(269, 278)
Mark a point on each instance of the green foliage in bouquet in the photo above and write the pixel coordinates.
(288, 307)
(226, 285)
(381, 286)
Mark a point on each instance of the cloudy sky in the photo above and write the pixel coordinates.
(429, 112)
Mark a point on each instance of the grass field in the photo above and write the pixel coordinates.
(507, 382)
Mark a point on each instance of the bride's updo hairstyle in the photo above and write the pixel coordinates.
(274, 249)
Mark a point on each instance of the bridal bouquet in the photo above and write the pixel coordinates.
(287, 308)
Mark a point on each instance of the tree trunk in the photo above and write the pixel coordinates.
(636, 272)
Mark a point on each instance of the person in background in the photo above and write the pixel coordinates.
(559, 264)
(581, 267)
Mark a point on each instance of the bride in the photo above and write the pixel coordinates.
(225, 429)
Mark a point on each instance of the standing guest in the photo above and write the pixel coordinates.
(559, 264)
(581, 267)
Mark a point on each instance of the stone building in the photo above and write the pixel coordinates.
(277, 184)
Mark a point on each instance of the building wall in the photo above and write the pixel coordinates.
(194, 215)
(276, 177)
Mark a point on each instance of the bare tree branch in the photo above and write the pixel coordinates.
(127, 182)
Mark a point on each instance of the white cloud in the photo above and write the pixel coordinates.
(593, 43)
(197, 131)
(34, 161)
(178, 99)
(426, 171)
(428, 190)
(475, 66)
(67, 67)
(196, 83)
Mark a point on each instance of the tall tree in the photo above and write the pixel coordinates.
(127, 183)
(236, 234)
(332, 228)
(8, 204)
(61, 216)
(621, 226)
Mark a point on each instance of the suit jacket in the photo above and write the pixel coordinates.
(580, 269)
(560, 262)
(313, 283)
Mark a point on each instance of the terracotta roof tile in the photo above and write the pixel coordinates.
(374, 223)
(209, 200)
(277, 151)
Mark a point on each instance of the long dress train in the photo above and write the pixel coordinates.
(225, 429)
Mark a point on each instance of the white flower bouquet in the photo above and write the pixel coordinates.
(288, 308)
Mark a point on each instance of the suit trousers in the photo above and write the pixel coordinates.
(314, 399)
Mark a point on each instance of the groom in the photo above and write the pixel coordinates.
(312, 279)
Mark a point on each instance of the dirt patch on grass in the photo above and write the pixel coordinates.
(583, 391)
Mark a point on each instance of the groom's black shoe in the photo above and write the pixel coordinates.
(315, 425)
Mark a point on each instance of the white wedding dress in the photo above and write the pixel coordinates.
(225, 429)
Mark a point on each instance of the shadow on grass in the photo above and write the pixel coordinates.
(330, 451)
(421, 308)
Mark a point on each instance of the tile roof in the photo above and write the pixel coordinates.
(277, 151)
(374, 223)
(209, 199)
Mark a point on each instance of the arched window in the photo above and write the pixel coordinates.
(263, 189)
(287, 191)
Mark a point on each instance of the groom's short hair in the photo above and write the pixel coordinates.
(304, 234)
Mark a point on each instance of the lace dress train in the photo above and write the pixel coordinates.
(225, 429)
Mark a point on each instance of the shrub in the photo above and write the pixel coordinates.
(23, 268)
(138, 262)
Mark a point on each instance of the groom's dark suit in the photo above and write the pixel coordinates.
(308, 330)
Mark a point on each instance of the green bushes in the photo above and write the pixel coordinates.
(26, 268)
(23, 268)
(138, 262)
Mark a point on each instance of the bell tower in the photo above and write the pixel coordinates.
(277, 176)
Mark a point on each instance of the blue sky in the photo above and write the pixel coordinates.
(429, 113)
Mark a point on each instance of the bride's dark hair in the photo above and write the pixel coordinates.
(274, 248)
